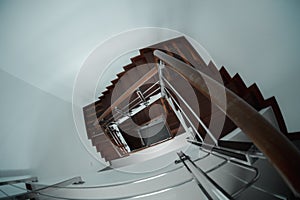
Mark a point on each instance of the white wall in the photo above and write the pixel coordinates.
(44, 43)
(257, 39)
(38, 135)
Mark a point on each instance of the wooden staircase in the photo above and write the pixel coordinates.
(141, 73)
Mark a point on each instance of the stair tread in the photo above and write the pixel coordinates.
(99, 139)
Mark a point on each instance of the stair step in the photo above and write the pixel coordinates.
(230, 126)
(119, 75)
(112, 155)
(104, 146)
(231, 183)
(185, 56)
(280, 120)
(94, 114)
(254, 97)
(130, 77)
(148, 55)
(106, 101)
(196, 59)
(257, 193)
(214, 72)
(101, 97)
(242, 146)
(92, 133)
(110, 88)
(237, 85)
(92, 107)
(239, 81)
(105, 92)
(115, 81)
(138, 60)
(99, 139)
(225, 75)
(129, 67)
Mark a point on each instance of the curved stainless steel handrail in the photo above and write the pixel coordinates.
(125, 182)
(45, 194)
(213, 191)
(127, 197)
(246, 153)
(41, 193)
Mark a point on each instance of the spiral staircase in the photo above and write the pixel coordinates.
(141, 74)
(151, 96)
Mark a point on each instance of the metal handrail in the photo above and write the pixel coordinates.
(121, 183)
(249, 167)
(127, 197)
(264, 135)
(184, 114)
(215, 187)
(149, 95)
(212, 147)
(127, 93)
(225, 161)
(124, 107)
(193, 113)
(43, 191)
(18, 180)
(30, 194)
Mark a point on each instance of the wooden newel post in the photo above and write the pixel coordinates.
(284, 156)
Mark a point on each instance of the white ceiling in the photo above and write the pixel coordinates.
(45, 43)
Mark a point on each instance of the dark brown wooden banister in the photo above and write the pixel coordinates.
(284, 156)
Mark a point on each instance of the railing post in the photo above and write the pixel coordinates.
(194, 114)
(161, 66)
(179, 116)
(208, 186)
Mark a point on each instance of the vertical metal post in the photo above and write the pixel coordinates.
(161, 66)
(208, 186)
(194, 114)
(179, 116)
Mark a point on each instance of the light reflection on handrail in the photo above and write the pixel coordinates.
(126, 182)
(40, 191)
(127, 197)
